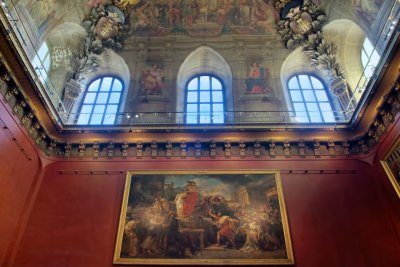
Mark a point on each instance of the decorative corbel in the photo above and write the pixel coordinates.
(271, 149)
(302, 148)
(81, 150)
(242, 149)
(139, 150)
(331, 148)
(124, 150)
(346, 147)
(317, 147)
(257, 149)
(286, 148)
(154, 149)
(213, 148)
(168, 148)
(228, 147)
(198, 149)
(96, 150)
(110, 150)
(183, 147)
(67, 150)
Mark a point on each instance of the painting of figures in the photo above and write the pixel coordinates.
(203, 17)
(152, 80)
(216, 217)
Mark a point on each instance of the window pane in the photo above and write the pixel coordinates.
(325, 106)
(293, 84)
(321, 95)
(97, 115)
(89, 99)
(309, 95)
(94, 86)
(364, 59)
(304, 82)
(312, 107)
(216, 84)
(85, 114)
(374, 60)
(106, 84)
(112, 109)
(192, 97)
(114, 98)
(205, 83)
(296, 95)
(109, 117)
(315, 117)
(102, 98)
(117, 86)
(193, 84)
(205, 107)
(191, 118)
(218, 117)
(317, 83)
(205, 117)
(367, 46)
(205, 96)
(302, 117)
(217, 96)
(328, 116)
(43, 51)
(218, 107)
(299, 107)
(191, 108)
(86, 109)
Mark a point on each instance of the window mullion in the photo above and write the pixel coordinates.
(304, 99)
(95, 99)
(108, 100)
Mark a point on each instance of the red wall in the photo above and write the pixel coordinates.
(334, 219)
(18, 180)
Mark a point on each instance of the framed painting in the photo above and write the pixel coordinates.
(203, 217)
(391, 164)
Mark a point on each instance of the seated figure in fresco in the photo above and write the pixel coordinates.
(151, 81)
(256, 83)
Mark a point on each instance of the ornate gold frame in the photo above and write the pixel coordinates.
(157, 261)
(387, 169)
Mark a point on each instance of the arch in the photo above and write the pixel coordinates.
(348, 37)
(204, 60)
(310, 99)
(111, 65)
(204, 101)
(101, 102)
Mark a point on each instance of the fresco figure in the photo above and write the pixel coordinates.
(256, 83)
(151, 81)
(367, 9)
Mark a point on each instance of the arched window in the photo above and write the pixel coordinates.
(204, 100)
(369, 58)
(41, 62)
(310, 100)
(101, 102)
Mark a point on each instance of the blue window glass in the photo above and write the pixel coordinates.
(204, 100)
(369, 58)
(310, 100)
(101, 102)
